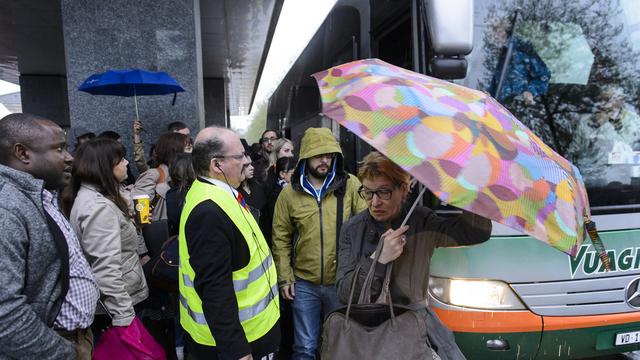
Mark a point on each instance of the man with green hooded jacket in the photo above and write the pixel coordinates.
(306, 225)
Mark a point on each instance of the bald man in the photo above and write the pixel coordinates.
(34, 255)
(229, 304)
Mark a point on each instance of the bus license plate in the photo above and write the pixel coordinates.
(628, 338)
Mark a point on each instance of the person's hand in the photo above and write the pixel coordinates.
(247, 357)
(412, 182)
(137, 130)
(288, 291)
(528, 98)
(394, 241)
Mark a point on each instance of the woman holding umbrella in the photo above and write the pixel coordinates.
(385, 187)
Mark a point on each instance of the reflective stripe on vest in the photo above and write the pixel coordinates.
(243, 314)
(255, 285)
(240, 285)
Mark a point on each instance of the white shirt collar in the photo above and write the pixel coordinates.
(222, 185)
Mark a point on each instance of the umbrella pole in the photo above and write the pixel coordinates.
(413, 207)
(507, 58)
(135, 100)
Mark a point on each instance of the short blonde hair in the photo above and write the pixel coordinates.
(377, 165)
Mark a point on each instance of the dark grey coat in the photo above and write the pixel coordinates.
(410, 275)
(32, 263)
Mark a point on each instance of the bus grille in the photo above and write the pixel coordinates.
(576, 297)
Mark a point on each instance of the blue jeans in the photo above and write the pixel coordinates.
(310, 305)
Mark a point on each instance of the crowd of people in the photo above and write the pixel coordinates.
(268, 243)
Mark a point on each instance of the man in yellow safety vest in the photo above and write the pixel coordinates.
(229, 306)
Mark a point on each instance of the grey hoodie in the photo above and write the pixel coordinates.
(31, 290)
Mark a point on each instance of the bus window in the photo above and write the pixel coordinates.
(573, 95)
(393, 45)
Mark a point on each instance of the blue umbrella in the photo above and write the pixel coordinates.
(131, 82)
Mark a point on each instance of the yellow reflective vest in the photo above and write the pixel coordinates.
(255, 285)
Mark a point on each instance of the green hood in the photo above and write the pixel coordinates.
(318, 141)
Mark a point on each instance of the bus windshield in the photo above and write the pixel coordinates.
(572, 77)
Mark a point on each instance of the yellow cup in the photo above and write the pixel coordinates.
(141, 205)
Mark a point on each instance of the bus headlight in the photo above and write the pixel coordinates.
(480, 294)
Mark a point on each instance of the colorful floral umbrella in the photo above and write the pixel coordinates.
(463, 145)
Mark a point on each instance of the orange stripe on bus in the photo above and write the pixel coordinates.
(525, 321)
(578, 322)
(490, 322)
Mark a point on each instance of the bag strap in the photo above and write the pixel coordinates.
(156, 196)
(339, 214)
(106, 311)
(161, 175)
(351, 292)
(386, 282)
(365, 293)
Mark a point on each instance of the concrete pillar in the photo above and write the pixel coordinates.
(215, 112)
(45, 95)
(157, 35)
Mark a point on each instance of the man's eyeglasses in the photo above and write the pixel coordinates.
(236, 157)
(269, 139)
(383, 194)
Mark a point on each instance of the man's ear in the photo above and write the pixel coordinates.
(22, 153)
(214, 166)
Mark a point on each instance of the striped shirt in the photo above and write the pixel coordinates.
(79, 305)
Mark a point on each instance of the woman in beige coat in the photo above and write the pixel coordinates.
(108, 236)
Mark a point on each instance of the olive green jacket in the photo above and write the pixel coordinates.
(304, 229)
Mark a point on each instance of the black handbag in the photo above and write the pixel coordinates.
(375, 331)
(162, 270)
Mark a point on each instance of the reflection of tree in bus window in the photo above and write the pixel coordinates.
(614, 126)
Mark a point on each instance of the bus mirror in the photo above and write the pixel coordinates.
(450, 24)
(448, 68)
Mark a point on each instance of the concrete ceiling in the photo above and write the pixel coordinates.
(235, 34)
(30, 39)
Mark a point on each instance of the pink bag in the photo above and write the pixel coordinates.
(128, 343)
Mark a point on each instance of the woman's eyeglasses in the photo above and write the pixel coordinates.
(383, 194)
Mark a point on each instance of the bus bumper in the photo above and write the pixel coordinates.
(484, 334)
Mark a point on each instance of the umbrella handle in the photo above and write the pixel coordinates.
(597, 243)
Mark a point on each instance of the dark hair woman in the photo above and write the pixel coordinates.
(155, 182)
(99, 215)
(284, 169)
(253, 192)
(182, 176)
